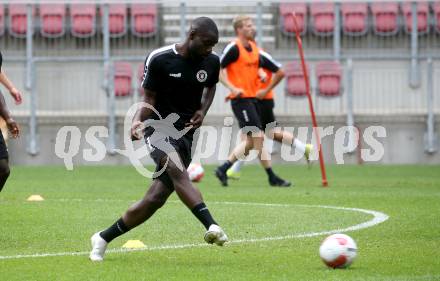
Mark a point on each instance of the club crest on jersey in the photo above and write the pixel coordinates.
(202, 75)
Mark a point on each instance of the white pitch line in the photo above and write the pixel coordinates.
(378, 218)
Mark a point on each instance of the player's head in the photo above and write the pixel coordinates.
(202, 37)
(244, 27)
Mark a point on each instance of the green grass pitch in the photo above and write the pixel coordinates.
(88, 199)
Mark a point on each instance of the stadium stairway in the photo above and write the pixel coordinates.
(223, 17)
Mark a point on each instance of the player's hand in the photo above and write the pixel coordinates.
(261, 94)
(197, 120)
(13, 128)
(136, 130)
(16, 95)
(237, 92)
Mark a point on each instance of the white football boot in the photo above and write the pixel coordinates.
(99, 246)
(215, 234)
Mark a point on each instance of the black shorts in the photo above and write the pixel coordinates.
(182, 146)
(247, 113)
(3, 149)
(266, 112)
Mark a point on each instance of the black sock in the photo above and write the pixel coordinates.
(270, 173)
(116, 230)
(225, 166)
(203, 214)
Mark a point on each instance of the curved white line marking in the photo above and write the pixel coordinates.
(378, 218)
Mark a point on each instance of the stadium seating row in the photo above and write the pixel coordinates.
(328, 77)
(52, 18)
(355, 16)
(123, 78)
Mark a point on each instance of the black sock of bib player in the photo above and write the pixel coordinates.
(270, 174)
(116, 230)
(203, 214)
(225, 166)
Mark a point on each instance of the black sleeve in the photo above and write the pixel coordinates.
(215, 64)
(230, 55)
(150, 79)
(1, 61)
(267, 62)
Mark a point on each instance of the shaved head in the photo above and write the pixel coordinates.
(204, 25)
(202, 37)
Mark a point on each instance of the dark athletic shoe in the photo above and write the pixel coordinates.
(222, 177)
(279, 182)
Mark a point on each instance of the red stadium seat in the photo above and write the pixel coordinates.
(287, 24)
(122, 79)
(422, 17)
(329, 78)
(436, 9)
(140, 77)
(354, 18)
(83, 20)
(2, 19)
(143, 19)
(117, 22)
(323, 18)
(52, 18)
(385, 18)
(18, 20)
(295, 85)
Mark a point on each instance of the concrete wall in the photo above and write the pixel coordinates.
(403, 144)
(379, 87)
(70, 94)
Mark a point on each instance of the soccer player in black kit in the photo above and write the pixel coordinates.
(10, 122)
(178, 79)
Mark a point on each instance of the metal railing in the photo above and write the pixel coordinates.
(92, 59)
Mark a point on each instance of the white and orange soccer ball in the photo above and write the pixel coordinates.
(195, 172)
(338, 251)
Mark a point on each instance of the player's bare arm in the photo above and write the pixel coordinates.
(262, 75)
(277, 77)
(142, 114)
(223, 77)
(16, 95)
(4, 113)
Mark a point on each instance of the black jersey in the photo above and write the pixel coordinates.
(1, 61)
(231, 53)
(178, 81)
